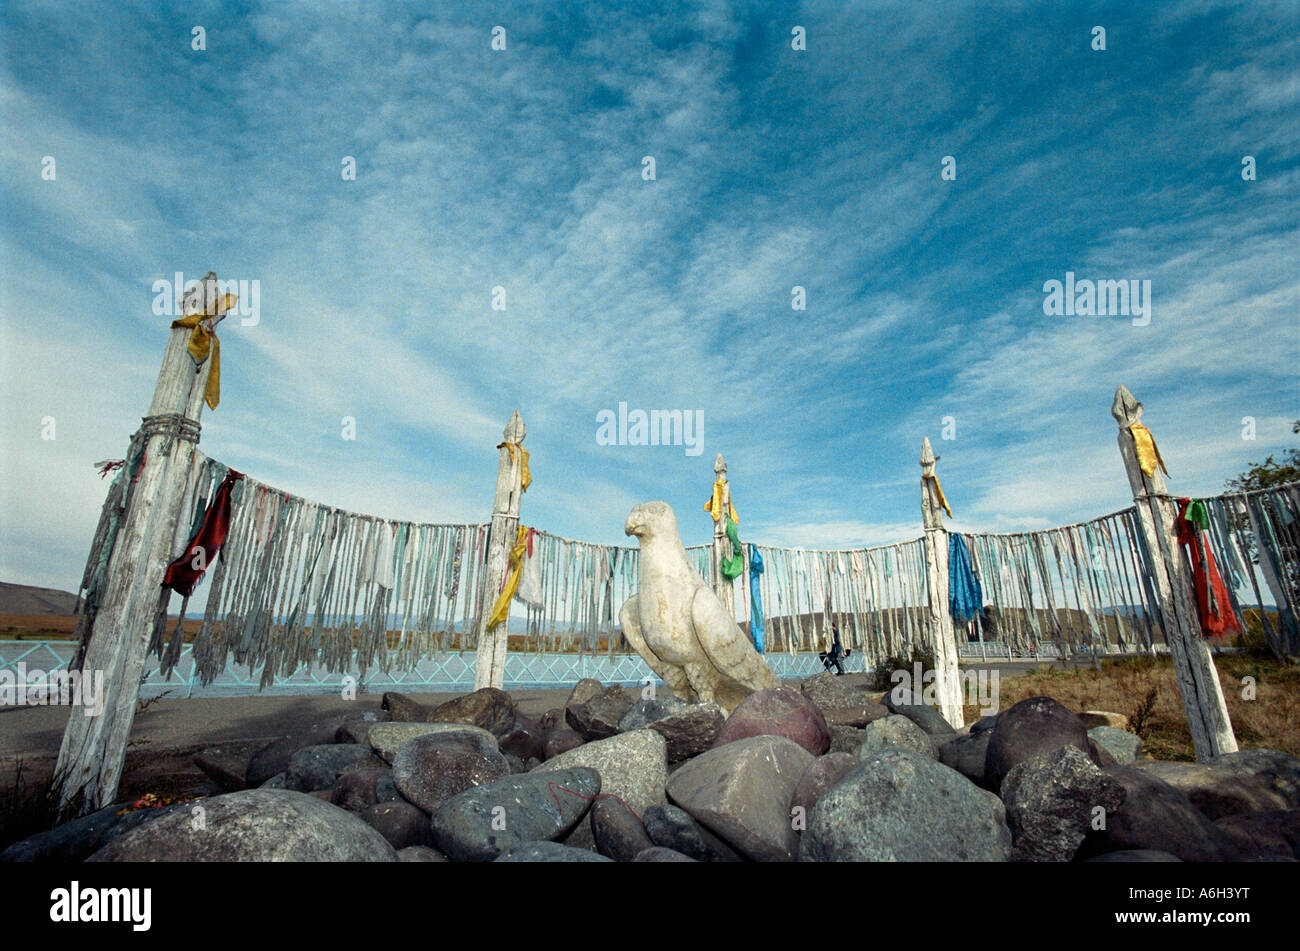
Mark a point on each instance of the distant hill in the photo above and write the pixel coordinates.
(25, 599)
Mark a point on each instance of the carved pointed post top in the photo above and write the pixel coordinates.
(1126, 409)
(515, 430)
(1137, 446)
(719, 467)
(933, 503)
(928, 458)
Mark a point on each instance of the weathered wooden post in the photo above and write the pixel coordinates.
(490, 664)
(94, 747)
(719, 505)
(1157, 512)
(947, 679)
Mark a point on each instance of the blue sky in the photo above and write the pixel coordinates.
(522, 169)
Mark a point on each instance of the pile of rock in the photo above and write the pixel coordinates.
(821, 772)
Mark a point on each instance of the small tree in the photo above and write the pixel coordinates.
(1270, 472)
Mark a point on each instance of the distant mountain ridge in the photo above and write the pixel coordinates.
(27, 599)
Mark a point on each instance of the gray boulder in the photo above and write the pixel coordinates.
(690, 730)
(632, 766)
(1155, 815)
(1215, 791)
(829, 692)
(846, 739)
(647, 710)
(905, 703)
(1124, 747)
(1135, 855)
(1280, 771)
(400, 823)
(821, 774)
(895, 732)
(618, 832)
(549, 852)
(658, 853)
(1264, 835)
(598, 718)
(560, 740)
(526, 741)
(420, 853)
(984, 723)
(387, 738)
(858, 716)
(359, 789)
(74, 840)
(900, 806)
(355, 728)
(1033, 726)
(966, 753)
(582, 691)
(488, 707)
(482, 822)
(1051, 800)
(673, 829)
(741, 793)
(403, 709)
(255, 825)
(319, 767)
(430, 769)
(274, 757)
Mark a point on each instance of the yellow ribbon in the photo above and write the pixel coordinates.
(525, 476)
(1147, 453)
(204, 342)
(501, 608)
(938, 490)
(714, 505)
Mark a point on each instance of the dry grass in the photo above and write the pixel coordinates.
(1144, 689)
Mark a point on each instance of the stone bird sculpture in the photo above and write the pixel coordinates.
(679, 626)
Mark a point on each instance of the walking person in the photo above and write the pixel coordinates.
(834, 657)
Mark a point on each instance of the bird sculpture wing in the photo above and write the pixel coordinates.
(631, 623)
(726, 645)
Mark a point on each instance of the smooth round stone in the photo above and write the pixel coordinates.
(429, 770)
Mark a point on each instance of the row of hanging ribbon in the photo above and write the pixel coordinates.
(298, 584)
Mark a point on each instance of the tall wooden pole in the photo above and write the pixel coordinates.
(490, 664)
(94, 747)
(947, 679)
(724, 589)
(1171, 576)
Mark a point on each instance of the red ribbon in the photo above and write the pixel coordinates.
(183, 574)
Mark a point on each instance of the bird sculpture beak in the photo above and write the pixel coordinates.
(630, 526)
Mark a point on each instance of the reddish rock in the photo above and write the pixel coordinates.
(778, 711)
(489, 708)
(561, 741)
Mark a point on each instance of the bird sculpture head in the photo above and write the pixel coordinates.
(651, 520)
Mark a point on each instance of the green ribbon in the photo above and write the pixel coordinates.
(733, 567)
